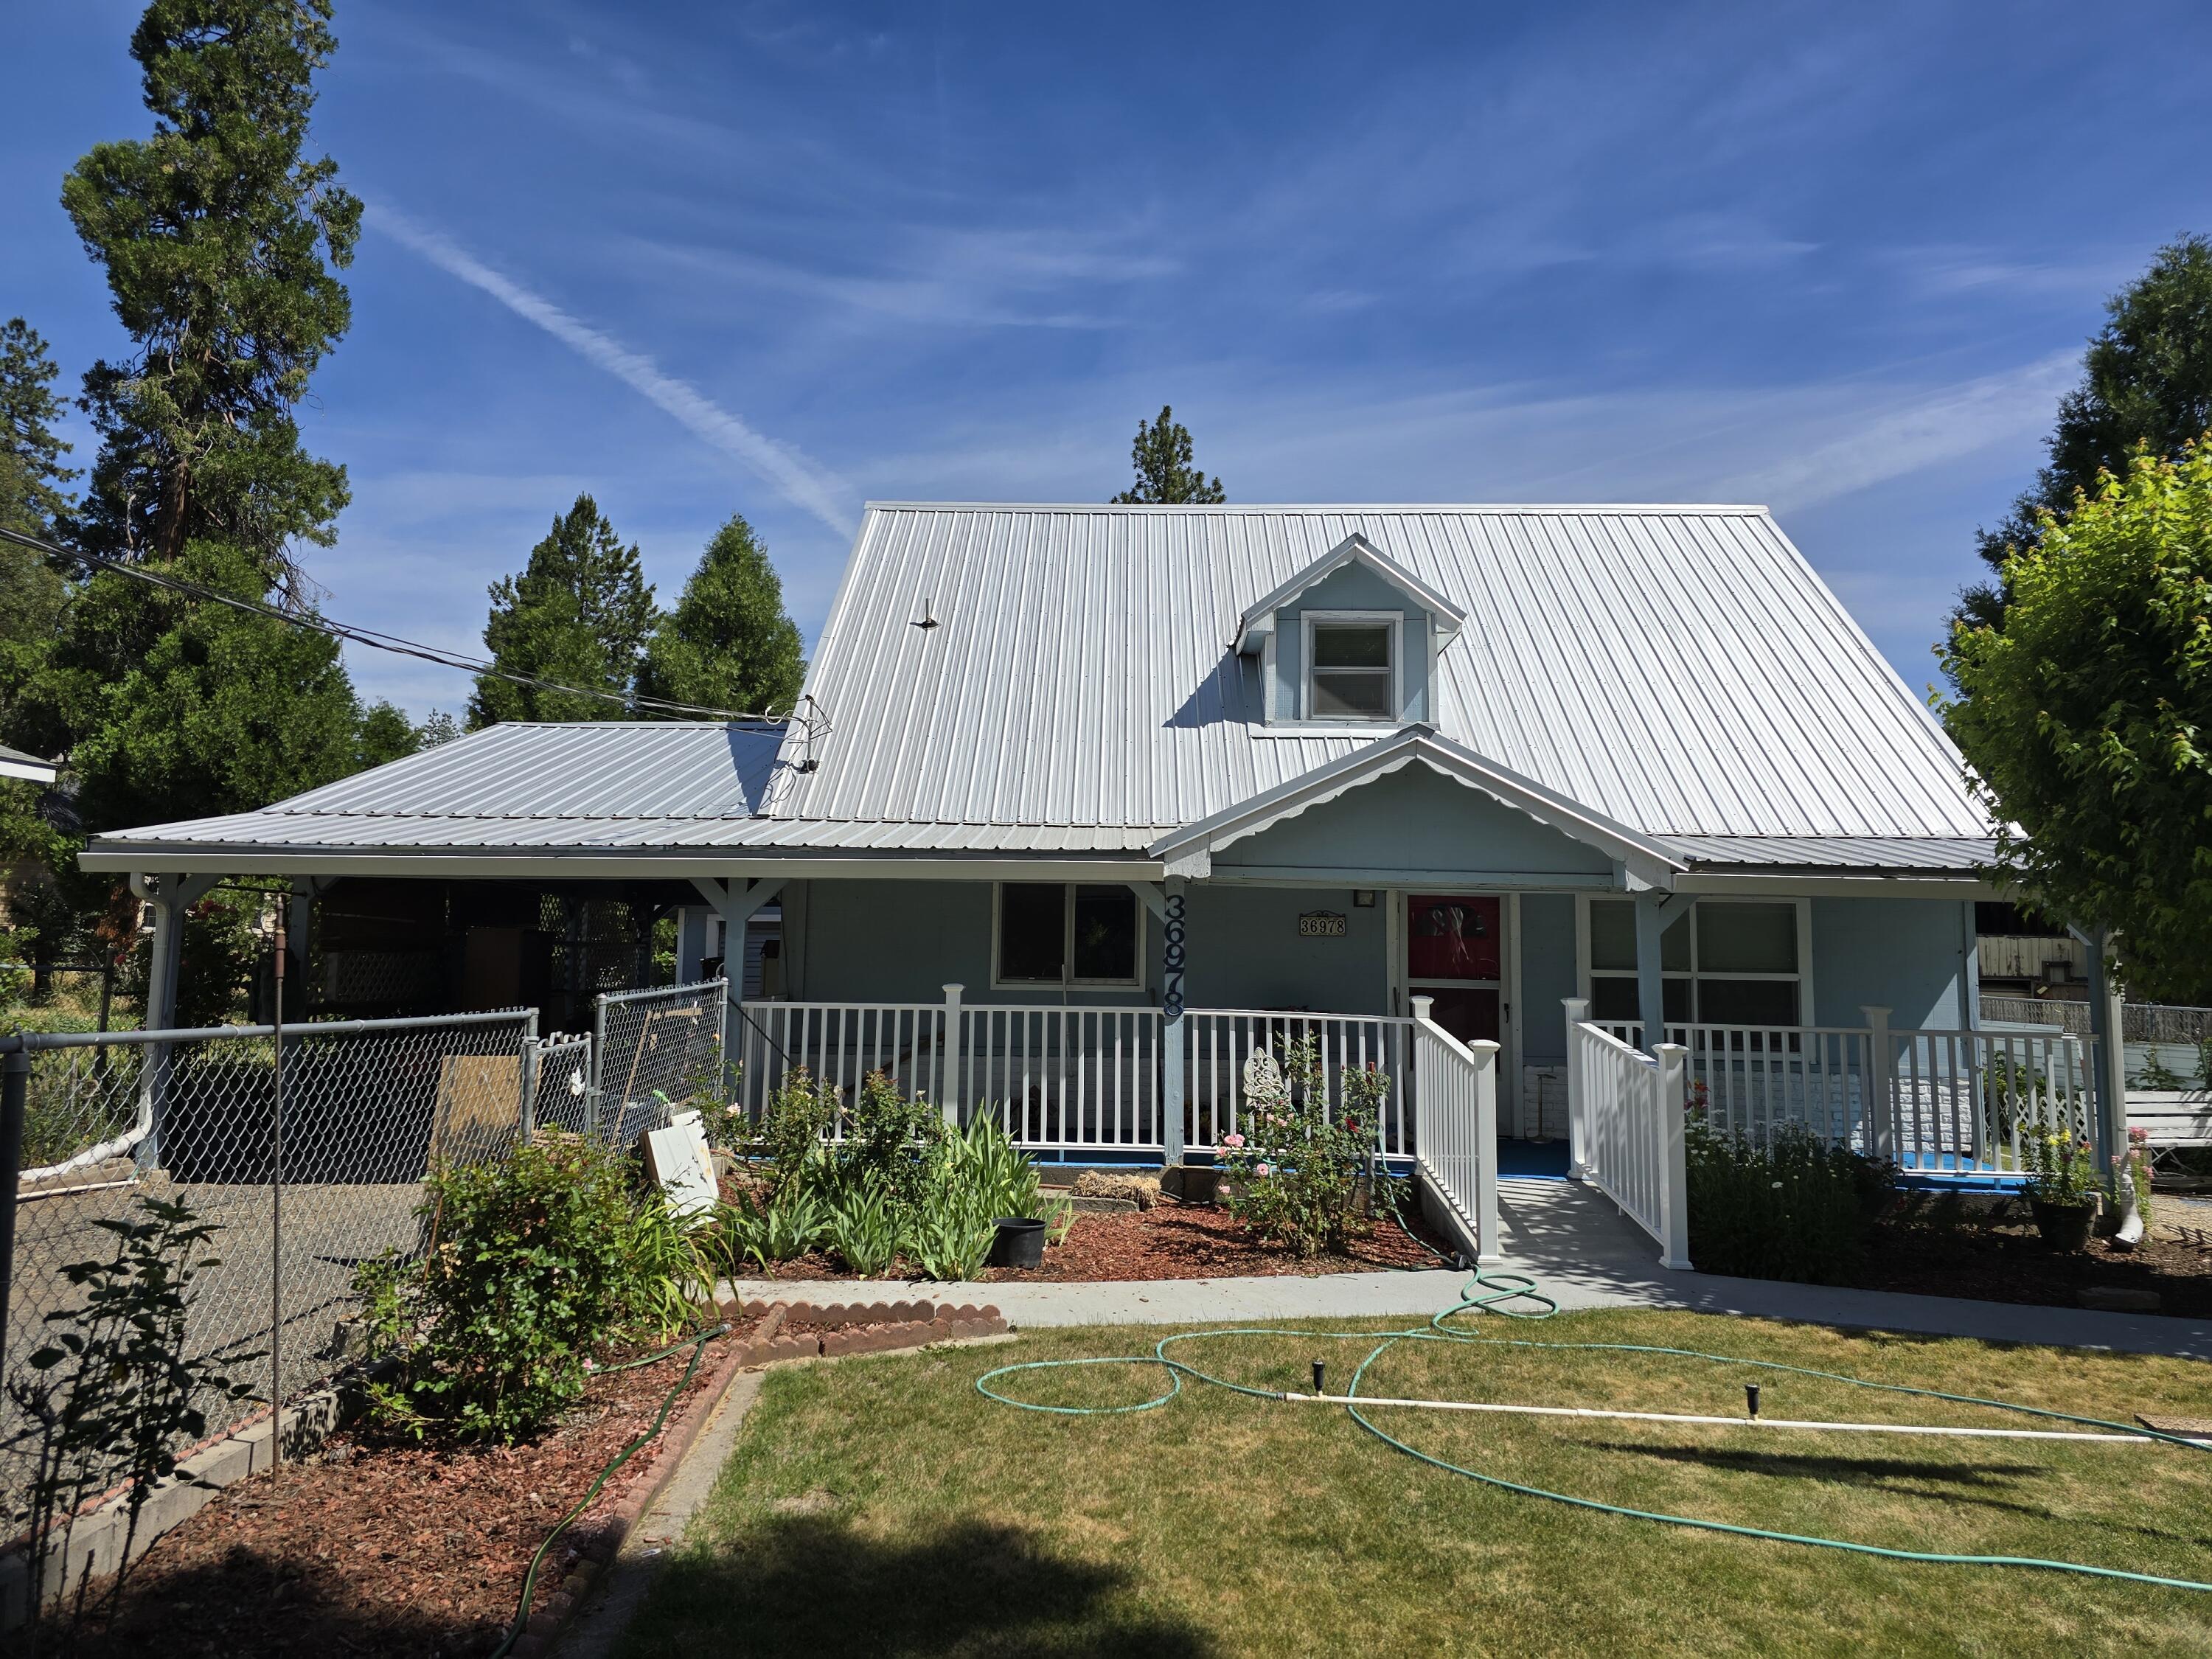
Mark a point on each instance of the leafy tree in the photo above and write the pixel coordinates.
(30, 470)
(218, 235)
(728, 643)
(386, 734)
(2145, 382)
(437, 727)
(1162, 456)
(579, 615)
(2085, 718)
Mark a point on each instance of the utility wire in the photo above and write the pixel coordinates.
(394, 643)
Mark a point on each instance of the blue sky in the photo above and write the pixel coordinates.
(782, 258)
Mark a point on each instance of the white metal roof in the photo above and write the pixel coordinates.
(14, 764)
(1678, 671)
(1681, 669)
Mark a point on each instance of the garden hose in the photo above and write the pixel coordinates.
(698, 1346)
(1501, 1293)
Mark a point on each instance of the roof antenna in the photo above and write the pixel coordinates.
(928, 618)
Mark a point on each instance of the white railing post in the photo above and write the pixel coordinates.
(1675, 1173)
(955, 1054)
(1486, 1152)
(1881, 1087)
(1578, 1099)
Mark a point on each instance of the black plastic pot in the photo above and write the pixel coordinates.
(2064, 1227)
(1020, 1244)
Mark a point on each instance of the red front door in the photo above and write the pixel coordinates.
(1454, 953)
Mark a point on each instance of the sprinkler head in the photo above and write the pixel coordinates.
(1320, 1367)
(1751, 1399)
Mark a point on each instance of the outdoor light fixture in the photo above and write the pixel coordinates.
(1363, 898)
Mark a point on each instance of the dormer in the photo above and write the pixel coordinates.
(1350, 643)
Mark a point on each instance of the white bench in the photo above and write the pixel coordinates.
(2171, 1121)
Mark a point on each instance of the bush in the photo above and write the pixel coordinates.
(533, 1263)
(1297, 1172)
(1794, 1207)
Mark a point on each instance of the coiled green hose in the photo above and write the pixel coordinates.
(1502, 1293)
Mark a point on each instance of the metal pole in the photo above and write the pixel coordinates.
(14, 1092)
(526, 1082)
(276, 1218)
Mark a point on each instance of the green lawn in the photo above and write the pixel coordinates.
(881, 1506)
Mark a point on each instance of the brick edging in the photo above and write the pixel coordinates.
(853, 1328)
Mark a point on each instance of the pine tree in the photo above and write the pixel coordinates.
(30, 470)
(217, 237)
(1162, 456)
(579, 615)
(729, 644)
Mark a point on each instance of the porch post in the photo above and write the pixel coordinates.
(1172, 960)
(955, 1053)
(691, 944)
(1650, 981)
(2108, 1025)
(1675, 1173)
(1881, 1108)
(1485, 1151)
(170, 895)
(1577, 1106)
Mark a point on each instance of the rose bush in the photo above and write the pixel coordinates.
(1295, 1171)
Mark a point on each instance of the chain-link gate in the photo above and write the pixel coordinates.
(369, 1106)
(562, 1083)
(652, 1050)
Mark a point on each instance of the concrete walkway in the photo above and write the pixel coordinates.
(1581, 1253)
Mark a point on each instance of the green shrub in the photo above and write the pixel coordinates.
(1793, 1207)
(534, 1262)
(1297, 1171)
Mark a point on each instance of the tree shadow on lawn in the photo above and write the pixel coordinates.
(1941, 1482)
(808, 1585)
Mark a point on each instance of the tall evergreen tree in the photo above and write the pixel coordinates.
(2146, 384)
(30, 470)
(1162, 457)
(217, 236)
(579, 615)
(729, 644)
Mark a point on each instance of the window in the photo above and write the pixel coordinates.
(1352, 667)
(1052, 933)
(1722, 963)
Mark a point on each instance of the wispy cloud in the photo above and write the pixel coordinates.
(792, 474)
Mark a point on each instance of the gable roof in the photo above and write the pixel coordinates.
(1649, 861)
(1260, 617)
(1679, 670)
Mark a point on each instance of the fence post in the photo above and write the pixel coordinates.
(15, 1104)
(1486, 1150)
(276, 1211)
(1881, 1085)
(1578, 1164)
(527, 1077)
(592, 1112)
(955, 1054)
(1675, 1185)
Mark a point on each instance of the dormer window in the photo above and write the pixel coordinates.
(1352, 666)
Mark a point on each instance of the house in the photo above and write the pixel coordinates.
(1082, 802)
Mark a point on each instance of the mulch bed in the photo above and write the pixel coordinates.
(377, 1548)
(1174, 1241)
(2009, 1262)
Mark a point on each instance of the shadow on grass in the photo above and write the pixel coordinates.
(1941, 1482)
(808, 1585)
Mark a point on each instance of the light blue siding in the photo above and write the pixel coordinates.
(1548, 975)
(1246, 952)
(1414, 820)
(1355, 587)
(1910, 956)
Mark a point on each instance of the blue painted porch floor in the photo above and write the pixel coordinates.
(1540, 1160)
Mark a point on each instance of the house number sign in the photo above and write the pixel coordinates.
(1322, 924)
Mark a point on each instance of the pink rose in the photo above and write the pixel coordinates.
(1263, 1169)
(1232, 1140)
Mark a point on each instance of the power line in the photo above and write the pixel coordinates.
(394, 643)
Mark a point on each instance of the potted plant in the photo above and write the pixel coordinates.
(2062, 1186)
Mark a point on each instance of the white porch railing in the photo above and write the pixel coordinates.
(1934, 1101)
(1625, 1132)
(1220, 1041)
(1457, 1085)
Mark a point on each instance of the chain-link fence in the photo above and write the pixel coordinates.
(368, 1107)
(651, 1050)
(562, 1083)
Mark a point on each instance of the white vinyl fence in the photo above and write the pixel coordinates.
(1625, 1132)
(1458, 1084)
(1220, 1041)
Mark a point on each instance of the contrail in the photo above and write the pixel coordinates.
(797, 479)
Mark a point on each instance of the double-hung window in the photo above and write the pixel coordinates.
(1053, 932)
(1352, 666)
(1726, 962)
